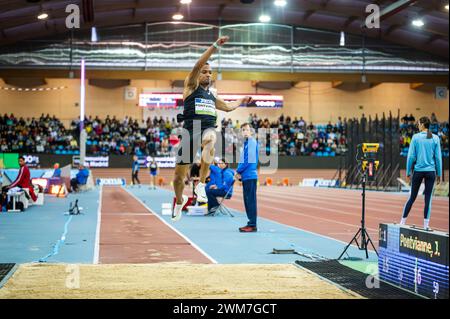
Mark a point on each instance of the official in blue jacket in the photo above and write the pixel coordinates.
(248, 174)
(425, 160)
(57, 171)
(80, 179)
(215, 174)
(221, 184)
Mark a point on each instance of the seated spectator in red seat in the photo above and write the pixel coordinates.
(23, 179)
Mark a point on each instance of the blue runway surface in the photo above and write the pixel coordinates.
(31, 235)
(220, 239)
(36, 233)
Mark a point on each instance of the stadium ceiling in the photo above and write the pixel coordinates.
(18, 18)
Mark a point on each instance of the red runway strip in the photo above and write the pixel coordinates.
(129, 233)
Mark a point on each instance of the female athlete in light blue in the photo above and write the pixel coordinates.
(425, 160)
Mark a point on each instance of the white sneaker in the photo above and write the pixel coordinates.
(426, 223)
(178, 209)
(201, 193)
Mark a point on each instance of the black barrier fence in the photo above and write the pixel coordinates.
(385, 132)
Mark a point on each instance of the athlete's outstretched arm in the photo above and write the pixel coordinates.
(191, 80)
(231, 106)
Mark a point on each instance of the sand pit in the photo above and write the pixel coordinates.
(167, 281)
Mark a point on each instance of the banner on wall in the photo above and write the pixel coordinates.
(93, 161)
(32, 161)
(318, 182)
(9, 160)
(162, 162)
(175, 100)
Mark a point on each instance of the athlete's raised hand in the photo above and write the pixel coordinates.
(222, 40)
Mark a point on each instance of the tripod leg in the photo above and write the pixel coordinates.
(369, 240)
(356, 241)
(373, 246)
(349, 244)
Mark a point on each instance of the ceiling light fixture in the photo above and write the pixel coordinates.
(418, 23)
(342, 40)
(280, 3)
(42, 16)
(178, 16)
(264, 18)
(94, 37)
(185, 1)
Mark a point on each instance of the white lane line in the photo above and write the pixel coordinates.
(97, 232)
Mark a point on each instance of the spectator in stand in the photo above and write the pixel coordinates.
(157, 136)
(434, 119)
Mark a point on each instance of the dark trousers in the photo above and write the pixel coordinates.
(250, 201)
(74, 184)
(416, 180)
(3, 197)
(134, 176)
(212, 195)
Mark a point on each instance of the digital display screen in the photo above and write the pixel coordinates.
(414, 259)
(175, 100)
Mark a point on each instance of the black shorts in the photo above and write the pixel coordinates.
(188, 147)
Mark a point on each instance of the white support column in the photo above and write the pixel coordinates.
(83, 134)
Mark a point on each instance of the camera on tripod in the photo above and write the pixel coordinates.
(368, 159)
(366, 156)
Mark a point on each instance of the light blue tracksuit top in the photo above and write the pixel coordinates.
(425, 154)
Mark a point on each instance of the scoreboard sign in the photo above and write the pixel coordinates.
(175, 100)
(414, 259)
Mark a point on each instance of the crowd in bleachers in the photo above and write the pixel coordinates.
(408, 128)
(158, 136)
(296, 136)
(155, 136)
(35, 135)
